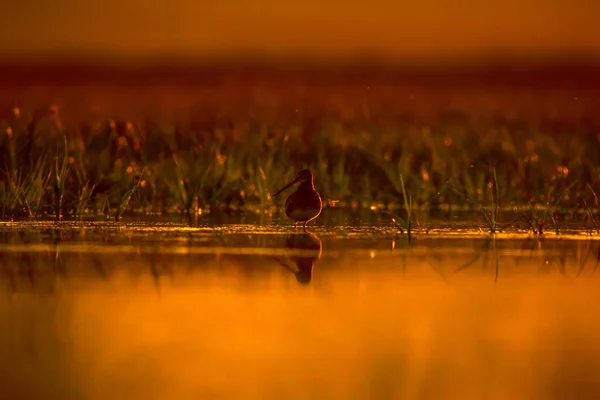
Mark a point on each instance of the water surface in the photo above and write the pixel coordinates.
(101, 310)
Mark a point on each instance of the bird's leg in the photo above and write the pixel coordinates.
(305, 230)
(296, 225)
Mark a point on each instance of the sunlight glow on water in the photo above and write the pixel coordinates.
(122, 311)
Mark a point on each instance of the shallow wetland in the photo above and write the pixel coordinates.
(456, 256)
(178, 309)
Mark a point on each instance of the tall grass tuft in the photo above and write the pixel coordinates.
(404, 225)
(23, 194)
(59, 175)
(491, 214)
(127, 196)
(537, 219)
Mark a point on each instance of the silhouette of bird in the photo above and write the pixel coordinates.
(304, 204)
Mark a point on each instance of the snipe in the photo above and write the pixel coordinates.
(304, 204)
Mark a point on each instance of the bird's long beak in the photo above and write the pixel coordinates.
(285, 187)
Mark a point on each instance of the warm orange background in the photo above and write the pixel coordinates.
(318, 29)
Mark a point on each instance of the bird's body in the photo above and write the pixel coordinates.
(304, 204)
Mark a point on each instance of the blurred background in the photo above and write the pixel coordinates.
(268, 31)
(50, 50)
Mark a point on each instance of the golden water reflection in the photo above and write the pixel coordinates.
(304, 263)
(433, 320)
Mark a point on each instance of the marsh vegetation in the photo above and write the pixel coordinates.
(519, 154)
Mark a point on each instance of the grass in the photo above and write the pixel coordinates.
(400, 161)
(536, 218)
(127, 196)
(403, 225)
(59, 175)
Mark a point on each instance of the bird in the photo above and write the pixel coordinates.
(305, 203)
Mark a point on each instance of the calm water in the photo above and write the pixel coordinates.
(173, 311)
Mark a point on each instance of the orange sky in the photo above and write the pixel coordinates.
(326, 29)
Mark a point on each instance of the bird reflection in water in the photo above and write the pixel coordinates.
(304, 263)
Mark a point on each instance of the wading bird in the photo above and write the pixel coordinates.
(304, 204)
